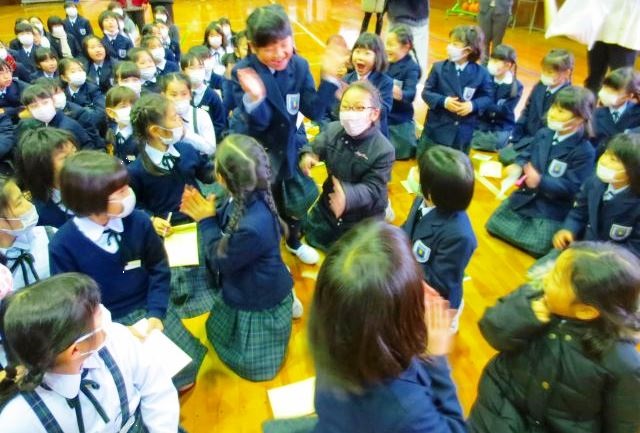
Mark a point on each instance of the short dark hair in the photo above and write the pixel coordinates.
(104, 15)
(268, 24)
(147, 29)
(189, 59)
(54, 20)
(33, 93)
(367, 316)
(124, 70)
(66, 63)
(87, 180)
(69, 4)
(214, 26)
(167, 79)
(134, 53)
(200, 51)
(472, 37)
(580, 102)
(22, 27)
(43, 53)
(51, 84)
(41, 321)
(560, 60)
(626, 79)
(371, 41)
(144, 43)
(626, 147)
(507, 53)
(4, 66)
(446, 178)
(85, 46)
(35, 155)
(118, 94)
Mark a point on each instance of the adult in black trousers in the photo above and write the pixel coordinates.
(493, 19)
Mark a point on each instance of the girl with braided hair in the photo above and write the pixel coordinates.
(251, 325)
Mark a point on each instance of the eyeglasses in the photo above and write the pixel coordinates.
(356, 109)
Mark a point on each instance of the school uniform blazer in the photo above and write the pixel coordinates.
(7, 138)
(500, 115)
(90, 119)
(384, 84)
(534, 115)
(605, 127)
(88, 96)
(161, 194)
(106, 74)
(40, 74)
(21, 72)
(362, 165)
(616, 220)
(28, 61)
(213, 105)
(407, 71)
(251, 274)
(50, 214)
(563, 169)
(273, 121)
(169, 67)
(119, 48)
(501, 6)
(62, 121)
(474, 82)
(128, 152)
(11, 103)
(74, 45)
(80, 28)
(137, 276)
(420, 399)
(442, 243)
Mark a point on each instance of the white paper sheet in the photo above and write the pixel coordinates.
(294, 400)
(159, 347)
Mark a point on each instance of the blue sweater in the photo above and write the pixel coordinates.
(252, 274)
(161, 194)
(124, 287)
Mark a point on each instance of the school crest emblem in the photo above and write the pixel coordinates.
(122, 54)
(421, 251)
(83, 32)
(468, 93)
(293, 103)
(557, 168)
(619, 233)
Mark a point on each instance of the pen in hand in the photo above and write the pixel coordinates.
(168, 221)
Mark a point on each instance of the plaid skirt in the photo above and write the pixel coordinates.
(533, 235)
(251, 343)
(403, 138)
(191, 290)
(175, 330)
(304, 424)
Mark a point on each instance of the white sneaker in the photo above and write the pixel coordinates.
(307, 255)
(296, 308)
(389, 214)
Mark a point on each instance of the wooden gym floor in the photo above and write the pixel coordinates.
(223, 402)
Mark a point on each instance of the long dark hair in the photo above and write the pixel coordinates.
(580, 102)
(506, 53)
(150, 109)
(41, 321)
(367, 316)
(244, 166)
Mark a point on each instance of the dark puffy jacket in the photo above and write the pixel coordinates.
(543, 381)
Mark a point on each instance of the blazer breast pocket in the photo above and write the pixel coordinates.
(557, 168)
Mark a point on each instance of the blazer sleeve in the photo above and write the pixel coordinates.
(578, 216)
(259, 118)
(507, 109)
(521, 124)
(511, 323)
(483, 96)
(370, 187)
(410, 85)
(449, 262)
(567, 185)
(386, 92)
(204, 169)
(430, 93)
(6, 135)
(313, 103)
(157, 265)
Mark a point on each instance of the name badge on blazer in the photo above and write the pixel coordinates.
(122, 54)
(619, 233)
(557, 168)
(421, 251)
(133, 264)
(293, 103)
(83, 32)
(468, 93)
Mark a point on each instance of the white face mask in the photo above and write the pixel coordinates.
(547, 80)
(557, 126)
(455, 53)
(44, 42)
(26, 39)
(128, 204)
(78, 78)
(607, 98)
(71, 12)
(196, 77)
(157, 54)
(136, 86)
(44, 113)
(176, 135)
(606, 174)
(104, 327)
(58, 32)
(3, 53)
(354, 122)
(215, 41)
(182, 106)
(493, 68)
(28, 221)
(161, 18)
(164, 33)
(123, 116)
(60, 100)
(148, 74)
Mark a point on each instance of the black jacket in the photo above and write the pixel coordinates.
(543, 381)
(412, 12)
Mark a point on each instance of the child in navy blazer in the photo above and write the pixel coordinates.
(380, 368)
(148, 71)
(121, 141)
(117, 44)
(98, 64)
(64, 44)
(441, 235)
(557, 67)
(75, 24)
(405, 73)
(554, 166)
(270, 92)
(620, 111)
(116, 245)
(25, 49)
(456, 91)
(498, 120)
(78, 89)
(10, 92)
(607, 208)
(43, 151)
(46, 64)
(251, 323)
(164, 66)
